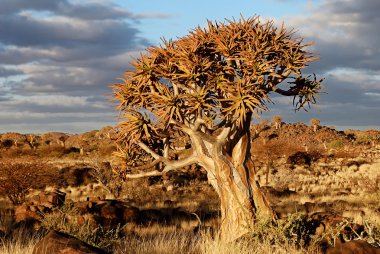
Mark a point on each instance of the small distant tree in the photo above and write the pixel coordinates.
(315, 123)
(199, 94)
(62, 140)
(33, 141)
(271, 151)
(277, 121)
(18, 177)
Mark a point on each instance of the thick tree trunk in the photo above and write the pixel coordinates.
(242, 200)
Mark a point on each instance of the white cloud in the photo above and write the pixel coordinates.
(50, 100)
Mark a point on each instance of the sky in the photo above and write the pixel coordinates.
(58, 58)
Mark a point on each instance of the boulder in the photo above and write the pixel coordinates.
(49, 199)
(59, 243)
(354, 247)
(108, 213)
(38, 205)
(25, 213)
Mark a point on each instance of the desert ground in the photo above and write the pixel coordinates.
(323, 184)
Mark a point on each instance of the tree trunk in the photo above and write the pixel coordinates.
(241, 198)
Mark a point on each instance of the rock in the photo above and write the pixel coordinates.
(59, 243)
(56, 198)
(107, 213)
(24, 213)
(84, 206)
(94, 199)
(354, 247)
(48, 199)
(130, 213)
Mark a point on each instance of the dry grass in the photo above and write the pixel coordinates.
(21, 242)
(340, 183)
(17, 247)
(175, 242)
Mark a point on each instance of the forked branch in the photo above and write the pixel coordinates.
(170, 165)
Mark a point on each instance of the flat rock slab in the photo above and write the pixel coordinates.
(59, 243)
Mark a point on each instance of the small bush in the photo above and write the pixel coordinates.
(103, 173)
(18, 177)
(7, 143)
(336, 144)
(363, 140)
(63, 219)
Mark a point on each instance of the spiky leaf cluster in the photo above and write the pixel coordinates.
(223, 73)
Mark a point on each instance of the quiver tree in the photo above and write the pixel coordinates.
(315, 123)
(197, 96)
(277, 120)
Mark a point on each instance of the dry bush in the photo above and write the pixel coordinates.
(64, 220)
(7, 143)
(336, 144)
(273, 149)
(17, 177)
(51, 151)
(270, 151)
(293, 235)
(17, 152)
(107, 177)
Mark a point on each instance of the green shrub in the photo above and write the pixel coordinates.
(336, 144)
(363, 140)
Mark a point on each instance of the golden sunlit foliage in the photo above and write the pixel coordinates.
(224, 72)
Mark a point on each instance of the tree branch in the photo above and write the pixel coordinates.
(145, 174)
(290, 92)
(175, 89)
(223, 135)
(170, 165)
(183, 87)
(148, 150)
(166, 147)
(147, 166)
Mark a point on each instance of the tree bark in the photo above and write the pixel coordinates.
(241, 201)
(241, 198)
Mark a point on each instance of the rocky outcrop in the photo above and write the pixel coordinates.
(59, 243)
(33, 209)
(107, 213)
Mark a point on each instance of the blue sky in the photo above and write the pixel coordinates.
(57, 58)
(183, 16)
